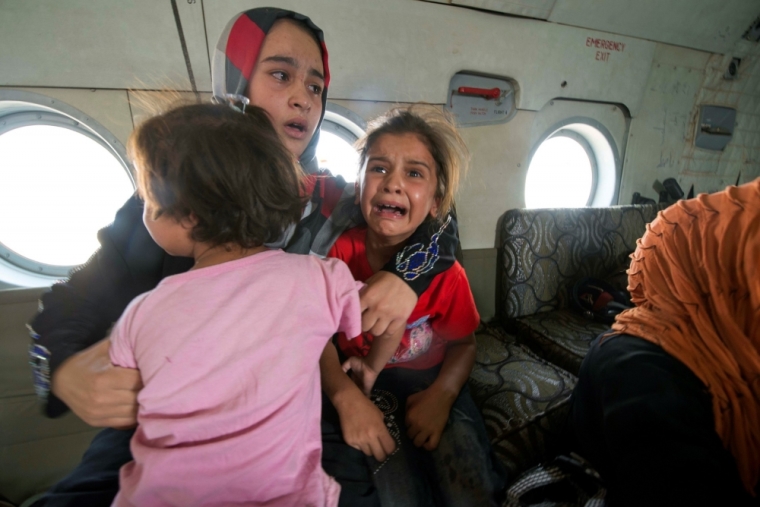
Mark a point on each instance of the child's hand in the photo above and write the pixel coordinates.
(386, 301)
(364, 427)
(361, 373)
(426, 415)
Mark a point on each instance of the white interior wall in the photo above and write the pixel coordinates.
(122, 45)
(702, 24)
(421, 45)
(661, 141)
(494, 184)
(85, 44)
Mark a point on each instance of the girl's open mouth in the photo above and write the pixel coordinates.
(388, 209)
(295, 129)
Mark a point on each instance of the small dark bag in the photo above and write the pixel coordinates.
(599, 300)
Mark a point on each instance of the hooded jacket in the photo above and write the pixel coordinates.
(77, 313)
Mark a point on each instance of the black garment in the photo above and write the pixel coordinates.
(95, 481)
(645, 421)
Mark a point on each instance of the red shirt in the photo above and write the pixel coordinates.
(445, 312)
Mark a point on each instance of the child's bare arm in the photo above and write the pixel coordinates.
(361, 421)
(364, 371)
(457, 365)
(428, 410)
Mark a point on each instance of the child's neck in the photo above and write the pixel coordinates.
(206, 255)
(381, 249)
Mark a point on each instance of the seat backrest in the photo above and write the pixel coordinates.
(543, 251)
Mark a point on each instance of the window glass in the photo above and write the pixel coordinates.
(57, 188)
(560, 175)
(337, 155)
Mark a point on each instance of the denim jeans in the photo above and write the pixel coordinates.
(461, 471)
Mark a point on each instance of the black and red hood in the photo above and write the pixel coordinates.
(238, 49)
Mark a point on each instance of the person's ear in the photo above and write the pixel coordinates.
(434, 208)
(189, 222)
(357, 192)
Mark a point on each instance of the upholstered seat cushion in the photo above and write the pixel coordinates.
(561, 337)
(524, 400)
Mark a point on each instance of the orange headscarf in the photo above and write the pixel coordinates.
(695, 281)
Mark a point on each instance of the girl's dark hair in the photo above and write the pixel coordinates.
(226, 170)
(437, 130)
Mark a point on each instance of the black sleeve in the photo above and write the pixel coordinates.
(431, 250)
(78, 312)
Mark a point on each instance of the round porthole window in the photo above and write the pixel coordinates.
(560, 175)
(59, 184)
(335, 151)
(571, 167)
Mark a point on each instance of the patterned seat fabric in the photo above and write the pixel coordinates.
(561, 337)
(524, 400)
(542, 253)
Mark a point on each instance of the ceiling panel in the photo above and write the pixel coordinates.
(709, 25)
(539, 9)
(81, 43)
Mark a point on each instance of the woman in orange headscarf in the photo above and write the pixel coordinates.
(667, 405)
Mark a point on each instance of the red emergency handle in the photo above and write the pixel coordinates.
(492, 93)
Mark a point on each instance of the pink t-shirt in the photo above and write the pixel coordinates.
(229, 356)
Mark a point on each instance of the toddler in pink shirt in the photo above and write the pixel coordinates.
(228, 351)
